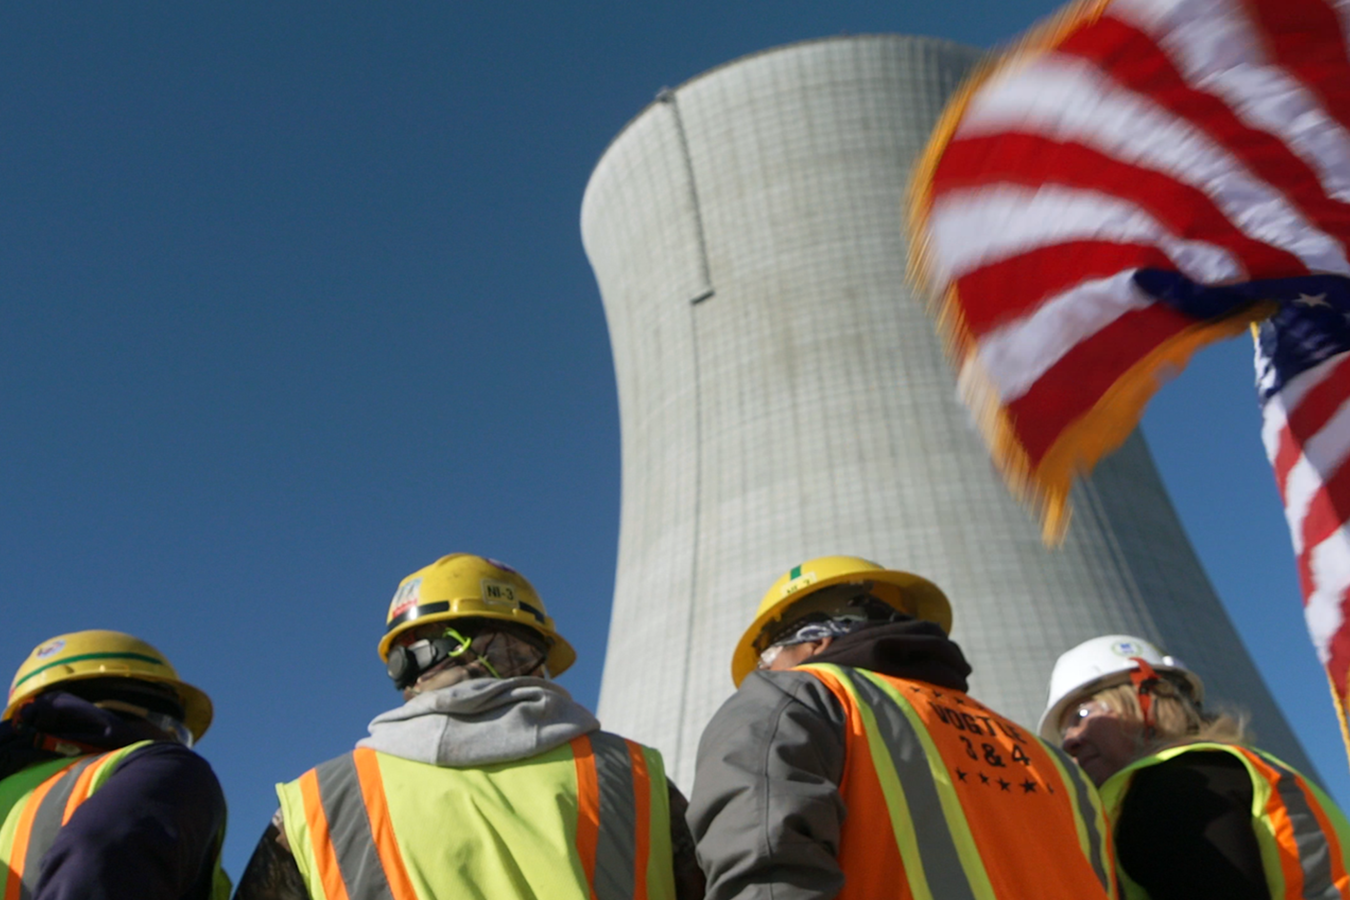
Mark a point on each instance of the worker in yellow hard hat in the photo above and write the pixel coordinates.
(852, 764)
(489, 780)
(101, 794)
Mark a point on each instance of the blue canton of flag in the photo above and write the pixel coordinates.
(1311, 325)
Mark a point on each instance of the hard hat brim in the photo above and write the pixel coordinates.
(198, 710)
(561, 655)
(922, 599)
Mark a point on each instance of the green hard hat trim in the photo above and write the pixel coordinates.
(82, 657)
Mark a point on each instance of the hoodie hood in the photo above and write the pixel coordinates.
(57, 724)
(909, 648)
(481, 722)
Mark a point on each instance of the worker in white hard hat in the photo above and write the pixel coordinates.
(852, 764)
(101, 795)
(489, 780)
(1197, 812)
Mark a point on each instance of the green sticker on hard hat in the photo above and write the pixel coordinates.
(499, 593)
(799, 581)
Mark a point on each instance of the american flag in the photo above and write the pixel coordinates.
(1303, 377)
(1303, 382)
(1137, 179)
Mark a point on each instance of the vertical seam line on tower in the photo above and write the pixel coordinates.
(667, 97)
(693, 556)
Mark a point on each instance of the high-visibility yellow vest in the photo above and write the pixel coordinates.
(947, 800)
(589, 820)
(1302, 834)
(37, 801)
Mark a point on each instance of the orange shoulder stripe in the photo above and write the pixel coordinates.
(22, 832)
(642, 808)
(588, 807)
(874, 859)
(854, 725)
(381, 826)
(1339, 877)
(80, 792)
(1290, 864)
(325, 856)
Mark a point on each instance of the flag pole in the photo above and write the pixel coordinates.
(1339, 703)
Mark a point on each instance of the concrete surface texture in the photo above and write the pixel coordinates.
(783, 395)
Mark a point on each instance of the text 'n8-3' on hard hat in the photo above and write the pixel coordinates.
(461, 588)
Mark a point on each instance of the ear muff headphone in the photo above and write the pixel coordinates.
(406, 664)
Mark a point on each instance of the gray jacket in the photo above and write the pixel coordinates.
(765, 809)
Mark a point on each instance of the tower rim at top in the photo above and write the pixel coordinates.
(664, 92)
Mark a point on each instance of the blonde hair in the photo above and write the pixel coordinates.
(1177, 719)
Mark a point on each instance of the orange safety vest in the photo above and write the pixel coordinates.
(947, 800)
(589, 820)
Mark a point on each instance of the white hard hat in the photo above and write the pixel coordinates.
(1100, 663)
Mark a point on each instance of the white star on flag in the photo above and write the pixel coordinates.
(1313, 300)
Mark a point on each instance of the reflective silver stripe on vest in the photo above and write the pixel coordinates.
(47, 822)
(349, 830)
(937, 850)
(616, 844)
(1314, 850)
(1083, 796)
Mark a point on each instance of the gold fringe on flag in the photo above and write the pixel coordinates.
(1338, 700)
(1105, 426)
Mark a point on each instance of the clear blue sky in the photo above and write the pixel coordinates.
(293, 301)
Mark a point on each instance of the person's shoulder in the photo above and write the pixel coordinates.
(167, 755)
(162, 766)
(767, 696)
(1205, 759)
(1202, 771)
(797, 685)
(603, 739)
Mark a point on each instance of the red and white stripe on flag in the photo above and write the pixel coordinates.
(1207, 137)
(1307, 437)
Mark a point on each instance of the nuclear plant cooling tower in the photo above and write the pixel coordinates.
(783, 396)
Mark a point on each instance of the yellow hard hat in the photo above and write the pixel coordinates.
(463, 586)
(917, 597)
(104, 654)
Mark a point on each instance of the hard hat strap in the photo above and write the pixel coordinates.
(409, 663)
(466, 646)
(1144, 680)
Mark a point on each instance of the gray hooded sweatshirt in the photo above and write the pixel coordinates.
(480, 722)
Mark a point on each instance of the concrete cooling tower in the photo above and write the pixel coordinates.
(783, 395)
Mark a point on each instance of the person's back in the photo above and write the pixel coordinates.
(488, 781)
(100, 793)
(855, 765)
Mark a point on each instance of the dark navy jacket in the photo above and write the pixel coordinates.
(151, 831)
